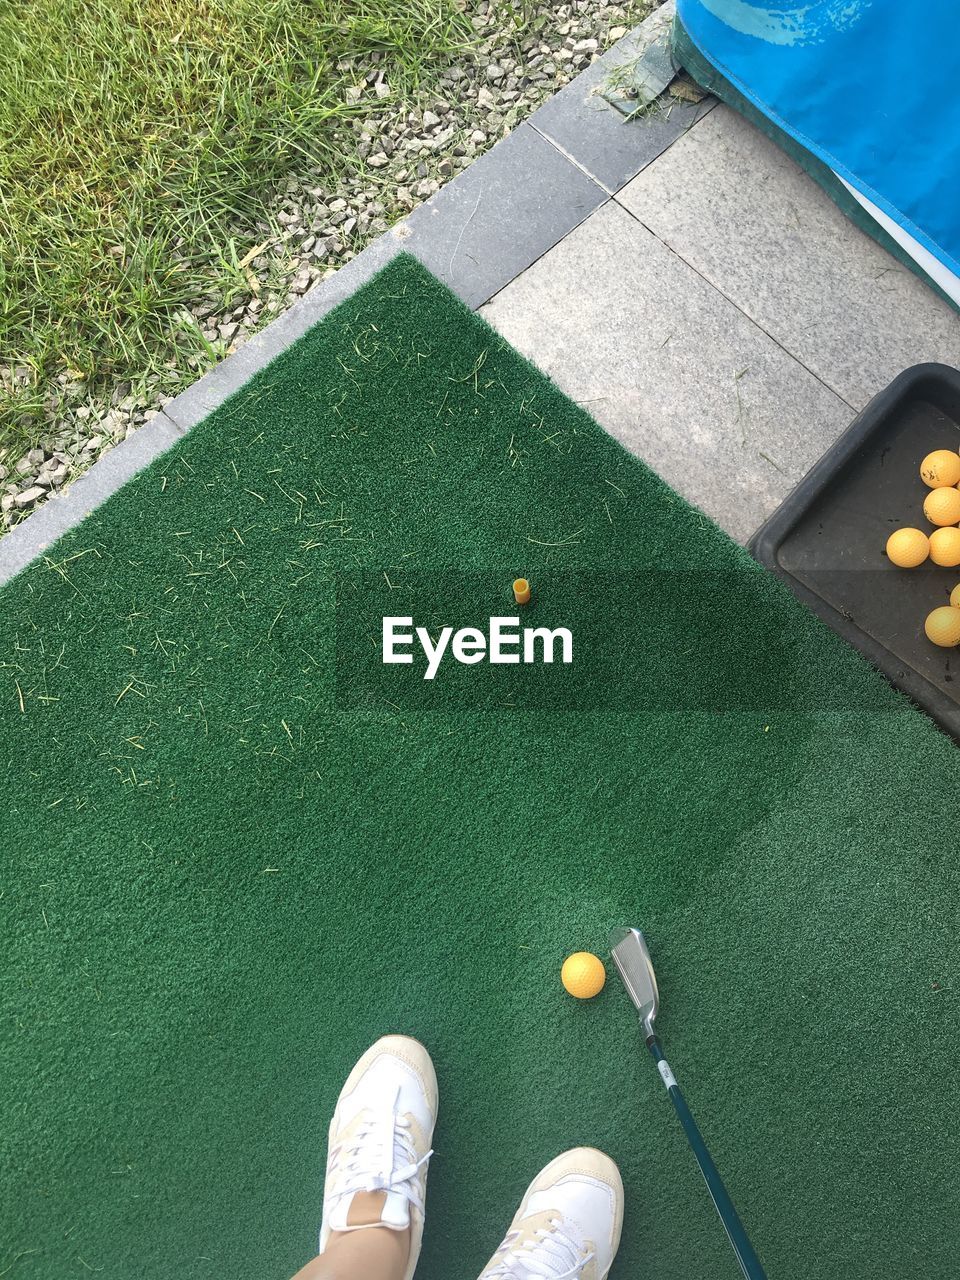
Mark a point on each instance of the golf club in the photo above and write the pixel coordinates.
(632, 959)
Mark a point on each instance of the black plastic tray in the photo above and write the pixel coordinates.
(827, 540)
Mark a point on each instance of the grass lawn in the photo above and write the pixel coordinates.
(240, 848)
(136, 136)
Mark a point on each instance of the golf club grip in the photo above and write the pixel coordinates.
(749, 1262)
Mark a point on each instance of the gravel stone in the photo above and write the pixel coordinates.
(27, 497)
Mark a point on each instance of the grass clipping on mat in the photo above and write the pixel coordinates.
(238, 848)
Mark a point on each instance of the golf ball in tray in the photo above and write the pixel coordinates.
(909, 548)
(943, 626)
(942, 506)
(940, 469)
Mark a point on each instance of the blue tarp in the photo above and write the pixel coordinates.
(870, 87)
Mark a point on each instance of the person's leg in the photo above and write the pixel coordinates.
(380, 1254)
(379, 1146)
(568, 1223)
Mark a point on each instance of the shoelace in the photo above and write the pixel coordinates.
(552, 1252)
(381, 1157)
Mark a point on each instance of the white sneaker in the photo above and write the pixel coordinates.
(379, 1141)
(568, 1224)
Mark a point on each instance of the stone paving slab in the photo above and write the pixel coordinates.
(603, 142)
(31, 538)
(499, 215)
(671, 368)
(748, 219)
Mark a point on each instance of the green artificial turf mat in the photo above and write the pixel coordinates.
(237, 850)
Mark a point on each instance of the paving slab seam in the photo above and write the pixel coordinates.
(741, 209)
(571, 160)
(707, 106)
(613, 348)
(710, 284)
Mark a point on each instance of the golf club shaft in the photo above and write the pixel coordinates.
(749, 1262)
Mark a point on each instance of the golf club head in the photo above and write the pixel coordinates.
(632, 959)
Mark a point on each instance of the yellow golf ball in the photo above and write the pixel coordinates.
(940, 468)
(945, 547)
(908, 547)
(943, 626)
(583, 974)
(942, 506)
(955, 596)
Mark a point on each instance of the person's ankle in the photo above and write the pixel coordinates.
(343, 1243)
